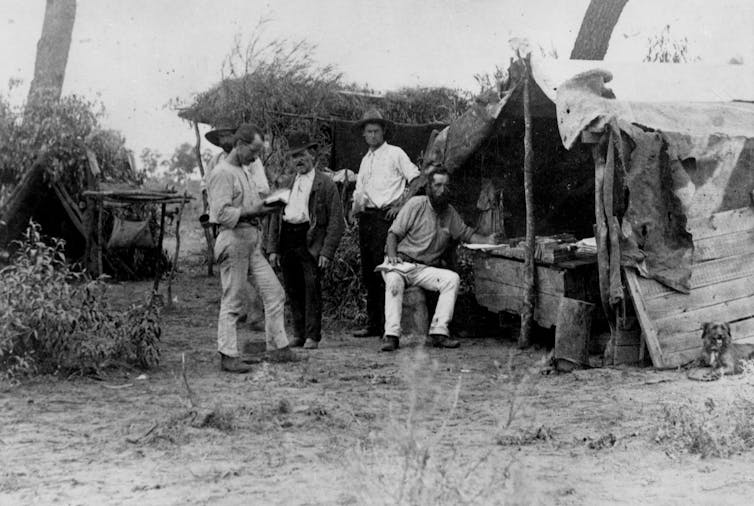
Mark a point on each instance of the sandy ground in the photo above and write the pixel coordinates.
(350, 425)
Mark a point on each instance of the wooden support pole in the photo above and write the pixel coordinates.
(89, 226)
(70, 208)
(601, 233)
(205, 204)
(174, 267)
(527, 310)
(158, 274)
(100, 239)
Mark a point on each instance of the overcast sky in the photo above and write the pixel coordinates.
(136, 55)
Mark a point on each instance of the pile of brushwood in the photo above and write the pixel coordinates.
(53, 319)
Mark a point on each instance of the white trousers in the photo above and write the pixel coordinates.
(429, 278)
(237, 254)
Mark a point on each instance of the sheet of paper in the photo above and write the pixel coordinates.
(485, 247)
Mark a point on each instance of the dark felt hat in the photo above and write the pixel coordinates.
(213, 136)
(373, 116)
(298, 142)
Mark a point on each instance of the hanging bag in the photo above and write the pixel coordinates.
(130, 234)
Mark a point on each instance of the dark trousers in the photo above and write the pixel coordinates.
(301, 279)
(373, 228)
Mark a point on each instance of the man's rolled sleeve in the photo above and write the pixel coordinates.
(403, 220)
(221, 198)
(458, 229)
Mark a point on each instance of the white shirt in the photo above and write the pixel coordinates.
(383, 175)
(256, 173)
(297, 209)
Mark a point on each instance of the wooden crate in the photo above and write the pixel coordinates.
(499, 285)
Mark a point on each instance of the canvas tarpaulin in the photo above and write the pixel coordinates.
(683, 160)
(456, 143)
(349, 146)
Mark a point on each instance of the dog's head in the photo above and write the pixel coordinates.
(716, 336)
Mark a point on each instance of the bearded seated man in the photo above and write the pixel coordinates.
(416, 241)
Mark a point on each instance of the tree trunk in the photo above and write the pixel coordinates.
(596, 28)
(52, 50)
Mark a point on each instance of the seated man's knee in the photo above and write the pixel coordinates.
(394, 283)
(452, 280)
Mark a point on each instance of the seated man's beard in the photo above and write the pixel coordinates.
(439, 202)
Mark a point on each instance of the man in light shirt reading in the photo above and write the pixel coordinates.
(236, 207)
(386, 180)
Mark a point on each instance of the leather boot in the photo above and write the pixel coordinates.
(233, 364)
(391, 343)
(311, 344)
(441, 341)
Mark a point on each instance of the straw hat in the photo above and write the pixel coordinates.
(373, 116)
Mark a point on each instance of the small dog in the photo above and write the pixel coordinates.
(720, 352)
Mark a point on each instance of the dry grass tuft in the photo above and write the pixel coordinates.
(719, 428)
(412, 460)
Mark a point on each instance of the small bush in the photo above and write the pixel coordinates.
(712, 430)
(411, 460)
(54, 319)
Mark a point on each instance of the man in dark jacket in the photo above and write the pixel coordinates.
(304, 238)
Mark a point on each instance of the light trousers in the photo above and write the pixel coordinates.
(429, 278)
(237, 253)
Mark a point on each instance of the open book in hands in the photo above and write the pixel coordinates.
(277, 198)
(400, 267)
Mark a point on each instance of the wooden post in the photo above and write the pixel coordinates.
(601, 233)
(205, 203)
(158, 274)
(94, 206)
(174, 267)
(527, 310)
(100, 240)
(572, 330)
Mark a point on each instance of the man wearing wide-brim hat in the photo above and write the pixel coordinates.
(236, 207)
(386, 180)
(304, 237)
(222, 137)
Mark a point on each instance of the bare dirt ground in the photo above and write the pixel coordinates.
(350, 425)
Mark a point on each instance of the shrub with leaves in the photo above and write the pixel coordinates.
(343, 296)
(54, 319)
(61, 129)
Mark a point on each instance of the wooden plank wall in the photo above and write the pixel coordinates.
(722, 289)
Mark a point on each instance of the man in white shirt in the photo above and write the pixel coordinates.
(304, 241)
(386, 180)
